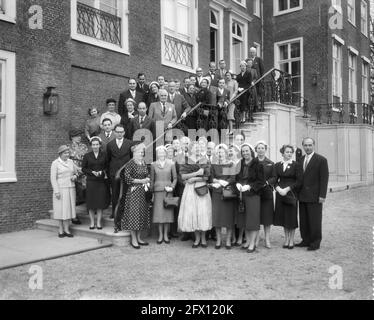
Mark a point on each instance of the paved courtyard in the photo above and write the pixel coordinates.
(176, 271)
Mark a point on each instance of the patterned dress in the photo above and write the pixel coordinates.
(134, 206)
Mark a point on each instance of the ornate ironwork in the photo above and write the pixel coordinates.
(178, 51)
(319, 114)
(98, 24)
(352, 113)
(329, 113)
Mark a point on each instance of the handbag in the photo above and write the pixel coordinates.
(228, 193)
(289, 199)
(201, 190)
(241, 208)
(171, 202)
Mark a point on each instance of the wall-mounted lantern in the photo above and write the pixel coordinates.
(314, 79)
(50, 101)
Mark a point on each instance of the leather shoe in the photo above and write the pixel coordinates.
(290, 247)
(61, 235)
(217, 247)
(194, 246)
(301, 244)
(228, 247)
(69, 235)
(312, 248)
(160, 241)
(251, 250)
(285, 246)
(143, 243)
(167, 241)
(91, 228)
(204, 245)
(99, 228)
(135, 247)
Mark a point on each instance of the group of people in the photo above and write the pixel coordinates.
(197, 188)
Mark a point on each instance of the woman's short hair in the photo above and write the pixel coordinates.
(139, 147)
(286, 146)
(205, 79)
(221, 146)
(91, 109)
(263, 143)
(93, 139)
(243, 63)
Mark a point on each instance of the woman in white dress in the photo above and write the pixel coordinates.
(64, 173)
(195, 213)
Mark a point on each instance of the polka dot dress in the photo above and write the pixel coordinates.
(134, 206)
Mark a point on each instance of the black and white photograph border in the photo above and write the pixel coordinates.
(186, 150)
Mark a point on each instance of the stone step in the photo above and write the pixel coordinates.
(106, 234)
(85, 218)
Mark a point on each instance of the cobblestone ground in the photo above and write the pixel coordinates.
(176, 271)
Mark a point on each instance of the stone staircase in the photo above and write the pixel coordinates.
(105, 235)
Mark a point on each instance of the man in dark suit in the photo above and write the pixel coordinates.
(107, 134)
(119, 153)
(186, 83)
(258, 63)
(221, 72)
(130, 93)
(312, 195)
(212, 74)
(179, 102)
(142, 86)
(142, 121)
(199, 77)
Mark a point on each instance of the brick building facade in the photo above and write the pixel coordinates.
(46, 43)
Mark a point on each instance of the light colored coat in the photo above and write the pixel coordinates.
(155, 113)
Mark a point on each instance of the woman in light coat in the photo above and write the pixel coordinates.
(64, 173)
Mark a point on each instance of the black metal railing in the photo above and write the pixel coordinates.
(178, 51)
(98, 24)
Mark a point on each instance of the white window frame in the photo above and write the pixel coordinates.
(352, 92)
(193, 42)
(277, 12)
(242, 3)
(236, 18)
(365, 98)
(8, 118)
(99, 43)
(258, 49)
(257, 8)
(10, 9)
(337, 5)
(364, 26)
(337, 74)
(353, 7)
(219, 11)
(277, 58)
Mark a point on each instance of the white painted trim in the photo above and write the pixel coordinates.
(354, 15)
(366, 34)
(219, 9)
(99, 43)
(10, 7)
(194, 40)
(365, 59)
(258, 45)
(276, 57)
(255, 12)
(338, 39)
(244, 4)
(276, 11)
(240, 14)
(8, 136)
(234, 16)
(353, 50)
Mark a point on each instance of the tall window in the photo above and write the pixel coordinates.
(237, 34)
(241, 2)
(7, 116)
(257, 8)
(102, 23)
(351, 7)
(179, 32)
(286, 6)
(337, 81)
(364, 17)
(365, 82)
(8, 10)
(352, 83)
(289, 58)
(213, 36)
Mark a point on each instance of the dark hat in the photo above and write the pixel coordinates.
(110, 100)
(75, 132)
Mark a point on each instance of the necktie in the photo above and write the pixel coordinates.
(163, 109)
(107, 134)
(306, 162)
(141, 121)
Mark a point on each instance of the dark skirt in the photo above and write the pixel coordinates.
(97, 195)
(250, 220)
(223, 211)
(267, 212)
(244, 102)
(285, 214)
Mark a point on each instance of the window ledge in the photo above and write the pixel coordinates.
(4, 17)
(6, 177)
(99, 43)
(280, 13)
(177, 66)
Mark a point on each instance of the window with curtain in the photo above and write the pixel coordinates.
(351, 11)
(337, 80)
(352, 83)
(364, 17)
(365, 82)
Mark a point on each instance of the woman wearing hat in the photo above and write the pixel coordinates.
(223, 210)
(153, 93)
(77, 150)
(131, 113)
(163, 182)
(134, 206)
(94, 166)
(64, 173)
